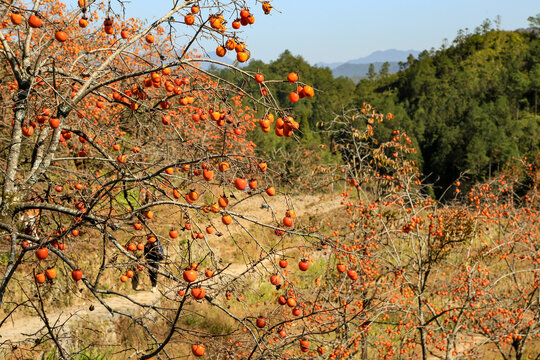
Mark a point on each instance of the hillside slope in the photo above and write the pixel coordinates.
(470, 107)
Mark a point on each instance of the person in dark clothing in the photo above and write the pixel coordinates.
(153, 252)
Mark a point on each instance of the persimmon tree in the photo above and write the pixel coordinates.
(427, 279)
(110, 124)
(395, 274)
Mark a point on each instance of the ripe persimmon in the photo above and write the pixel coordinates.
(304, 345)
(288, 221)
(262, 165)
(208, 174)
(198, 293)
(308, 91)
(292, 77)
(193, 195)
(190, 275)
(54, 123)
(240, 183)
(50, 273)
(261, 322)
(34, 21)
(223, 201)
(40, 278)
(226, 219)
(77, 274)
(42, 253)
(275, 279)
(16, 18)
(291, 302)
(60, 36)
(240, 47)
(121, 158)
(83, 22)
(253, 184)
(230, 44)
(221, 51)
(352, 274)
(242, 56)
(266, 7)
(294, 97)
(189, 19)
(198, 350)
(303, 265)
(244, 13)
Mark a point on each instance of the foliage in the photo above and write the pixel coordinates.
(331, 95)
(470, 107)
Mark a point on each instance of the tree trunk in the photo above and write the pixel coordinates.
(364, 355)
(421, 329)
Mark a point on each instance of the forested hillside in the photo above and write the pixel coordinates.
(468, 107)
(471, 106)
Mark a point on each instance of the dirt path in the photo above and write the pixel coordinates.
(26, 328)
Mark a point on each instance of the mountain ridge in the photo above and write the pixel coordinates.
(390, 55)
(358, 68)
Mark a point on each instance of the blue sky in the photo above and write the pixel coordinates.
(334, 31)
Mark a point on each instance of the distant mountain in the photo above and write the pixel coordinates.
(391, 55)
(357, 68)
(360, 70)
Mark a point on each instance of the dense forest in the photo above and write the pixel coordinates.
(468, 107)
